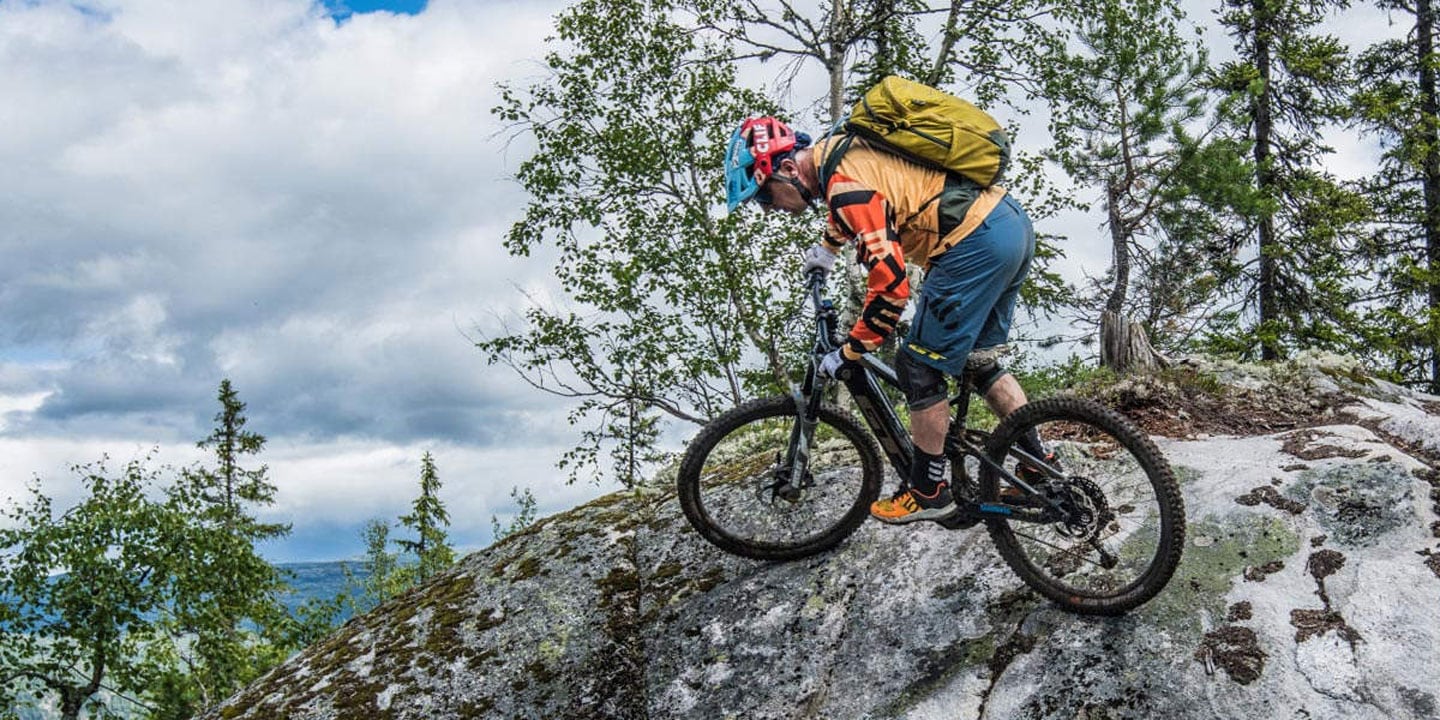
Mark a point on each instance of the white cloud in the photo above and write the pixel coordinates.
(27, 402)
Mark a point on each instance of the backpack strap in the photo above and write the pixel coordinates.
(832, 161)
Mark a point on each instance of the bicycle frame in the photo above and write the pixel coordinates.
(863, 381)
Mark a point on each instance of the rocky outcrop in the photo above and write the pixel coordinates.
(1310, 587)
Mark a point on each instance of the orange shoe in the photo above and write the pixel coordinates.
(910, 505)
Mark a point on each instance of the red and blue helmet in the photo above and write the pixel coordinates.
(756, 148)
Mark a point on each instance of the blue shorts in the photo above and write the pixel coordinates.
(969, 294)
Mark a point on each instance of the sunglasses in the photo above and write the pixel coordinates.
(763, 195)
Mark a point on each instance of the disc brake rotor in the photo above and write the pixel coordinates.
(774, 484)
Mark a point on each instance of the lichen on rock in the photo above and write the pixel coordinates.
(1356, 503)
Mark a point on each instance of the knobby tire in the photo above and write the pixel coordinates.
(733, 424)
(1170, 542)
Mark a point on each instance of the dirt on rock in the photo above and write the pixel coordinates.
(1259, 573)
(1234, 649)
(1270, 496)
(1240, 611)
(1303, 444)
(1183, 403)
(1314, 623)
(1324, 563)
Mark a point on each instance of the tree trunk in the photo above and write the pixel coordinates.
(949, 37)
(1119, 248)
(1124, 346)
(1430, 109)
(839, 25)
(1269, 307)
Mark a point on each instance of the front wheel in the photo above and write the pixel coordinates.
(737, 490)
(1123, 525)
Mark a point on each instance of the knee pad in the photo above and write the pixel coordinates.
(923, 385)
(984, 375)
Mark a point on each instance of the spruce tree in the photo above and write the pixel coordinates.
(428, 520)
(226, 619)
(1398, 102)
(1286, 85)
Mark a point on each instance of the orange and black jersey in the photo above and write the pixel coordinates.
(894, 210)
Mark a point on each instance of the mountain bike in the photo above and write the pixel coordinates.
(1097, 525)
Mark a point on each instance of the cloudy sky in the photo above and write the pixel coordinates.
(199, 190)
(306, 198)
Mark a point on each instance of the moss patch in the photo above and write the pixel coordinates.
(1358, 502)
(1187, 475)
(1207, 573)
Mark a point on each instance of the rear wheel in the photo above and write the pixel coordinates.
(1124, 525)
(736, 490)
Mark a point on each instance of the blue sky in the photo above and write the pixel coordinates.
(346, 8)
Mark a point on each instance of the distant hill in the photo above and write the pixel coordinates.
(318, 580)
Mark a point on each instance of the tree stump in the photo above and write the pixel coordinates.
(1124, 346)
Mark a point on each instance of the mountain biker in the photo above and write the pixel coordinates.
(975, 243)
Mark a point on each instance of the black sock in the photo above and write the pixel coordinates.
(927, 472)
(1030, 443)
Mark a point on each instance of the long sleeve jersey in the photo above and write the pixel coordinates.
(894, 210)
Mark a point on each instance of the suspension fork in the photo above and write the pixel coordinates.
(807, 418)
(808, 396)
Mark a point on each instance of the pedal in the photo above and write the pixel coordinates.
(958, 520)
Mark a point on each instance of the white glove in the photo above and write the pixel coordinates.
(832, 361)
(818, 257)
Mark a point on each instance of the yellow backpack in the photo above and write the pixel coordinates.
(928, 127)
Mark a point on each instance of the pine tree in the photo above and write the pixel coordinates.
(1123, 101)
(1399, 102)
(428, 520)
(227, 622)
(1286, 85)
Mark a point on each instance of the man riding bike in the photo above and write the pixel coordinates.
(975, 243)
